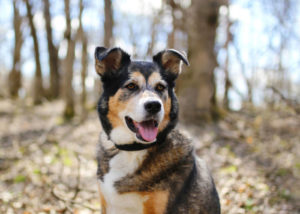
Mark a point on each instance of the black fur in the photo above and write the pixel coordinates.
(171, 164)
(114, 79)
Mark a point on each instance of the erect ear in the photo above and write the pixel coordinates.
(170, 60)
(110, 60)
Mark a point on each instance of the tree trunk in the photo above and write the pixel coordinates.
(84, 61)
(226, 101)
(53, 55)
(243, 72)
(108, 24)
(38, 90)
(171, 35)
(14, 78)
(69, 111)
(155, 23)
(197, 87)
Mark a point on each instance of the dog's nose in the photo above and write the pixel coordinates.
(152, 107)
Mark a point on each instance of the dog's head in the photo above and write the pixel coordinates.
(138, 103)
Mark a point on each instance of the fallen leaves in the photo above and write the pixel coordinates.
(48, 165)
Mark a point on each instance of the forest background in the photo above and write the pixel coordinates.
(239, 98)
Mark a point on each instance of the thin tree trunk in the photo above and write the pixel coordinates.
(38, 90)
(155, 22)
(14, 78)
(84, 61)
(69, 111)
(226, 66)
(84, 65)
(243, 72)
(171, 35)
(108, 24)
(197, 87)
(53, 55)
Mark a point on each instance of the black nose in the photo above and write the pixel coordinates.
(152, 107)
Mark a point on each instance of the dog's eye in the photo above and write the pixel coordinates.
(160, 87)
(132, 87)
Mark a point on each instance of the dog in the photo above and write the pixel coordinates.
(145, 166)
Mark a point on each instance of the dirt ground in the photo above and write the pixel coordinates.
(48, 165)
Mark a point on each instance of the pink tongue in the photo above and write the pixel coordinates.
(147, 130)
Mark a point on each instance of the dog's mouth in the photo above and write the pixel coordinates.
(146, 130)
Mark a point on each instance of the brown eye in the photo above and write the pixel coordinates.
(131, 86)
(160, 87)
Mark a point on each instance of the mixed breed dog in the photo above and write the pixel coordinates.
(145, 166)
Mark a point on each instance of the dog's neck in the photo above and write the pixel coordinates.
(135, 146)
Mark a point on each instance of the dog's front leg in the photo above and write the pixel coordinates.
(102, 201)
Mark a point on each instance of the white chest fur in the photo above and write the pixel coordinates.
(122, 164)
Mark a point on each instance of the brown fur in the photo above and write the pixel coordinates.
(154, 78)
(167, 107)
(157, 161)
(156, 202)
(115, 106)
(112, 61)
(138, 77)
(102, 201)
(171, 63)
(168, 175)
(171, 171)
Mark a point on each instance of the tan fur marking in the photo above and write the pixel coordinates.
(156, 202)
(102, 201)
(154, 78)
(165, 121)
(138, 78)
(147, 93)
(100, 67)
(115, 106)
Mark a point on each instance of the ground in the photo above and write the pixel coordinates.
(48, 165)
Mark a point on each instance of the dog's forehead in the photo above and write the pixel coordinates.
(143, 67)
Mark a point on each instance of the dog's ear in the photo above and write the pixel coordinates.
(110, 60)
(170, 60)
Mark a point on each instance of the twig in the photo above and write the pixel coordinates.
(73, 202)
(43, 139)
(291, 103)
(77, 189)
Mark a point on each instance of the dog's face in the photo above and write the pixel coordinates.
(138, 103)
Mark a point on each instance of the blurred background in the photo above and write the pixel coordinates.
(239, 98)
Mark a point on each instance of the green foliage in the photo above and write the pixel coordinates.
(229, 169)
(249, 205)
(19, 179)
(282, 172)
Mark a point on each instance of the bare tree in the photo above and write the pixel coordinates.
(284, 14)
(14, 78)
(108, 24)
(38, 90)
(197, 86)
(155, 22)
(179, 18)
(84, 60)
(171, 36)
(243, 72)
(53, 55)
(228, 83)
(69, 110)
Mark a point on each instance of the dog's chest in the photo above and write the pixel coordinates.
(120, 166)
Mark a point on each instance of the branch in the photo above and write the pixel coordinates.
(77, 189)
(291, 103)
(73, 202)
